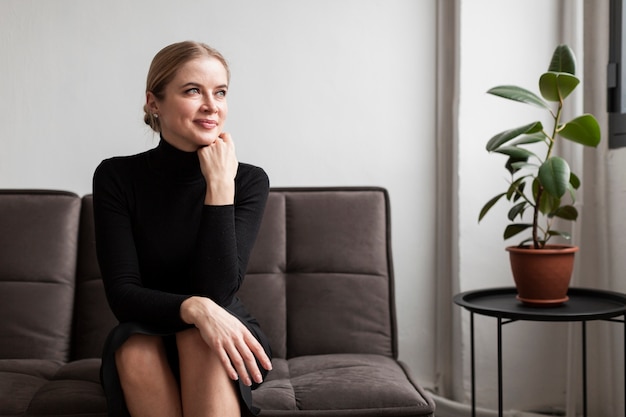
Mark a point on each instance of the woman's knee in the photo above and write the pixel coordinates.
(140, 356)
(190, 343)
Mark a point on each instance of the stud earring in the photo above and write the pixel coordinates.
(156, 116)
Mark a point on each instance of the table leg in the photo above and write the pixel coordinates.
(500, 405)
(584, 326)
(473, 364)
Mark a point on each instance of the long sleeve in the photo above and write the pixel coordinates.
(227, 235)
(128, 298)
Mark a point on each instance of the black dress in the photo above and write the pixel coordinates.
(158, 244)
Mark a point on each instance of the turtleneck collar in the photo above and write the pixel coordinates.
(175, 164)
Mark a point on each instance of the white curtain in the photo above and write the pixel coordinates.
(448, 330)
(602, 263)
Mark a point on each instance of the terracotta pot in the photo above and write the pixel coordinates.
(542, 276)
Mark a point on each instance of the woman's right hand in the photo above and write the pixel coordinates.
(218, 163)
(237, 348)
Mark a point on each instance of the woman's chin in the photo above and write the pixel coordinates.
(202, 142)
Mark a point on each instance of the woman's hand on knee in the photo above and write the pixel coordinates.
(235, 345)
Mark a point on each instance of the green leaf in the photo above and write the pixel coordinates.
(563, 60)
(488, 206)
(523, 164)
(522, 95)
(535, 188)
(513, 229)
(530, 139)
(514, 164)
(556, 86)
(503, 137)
(564, 235)
(548, 203)
(565, 212)
(583, 129)
(574, 180)
(554, 175)
(517, 210)
(516, 188)
(529, 241)
(518, 154)
(520, 192)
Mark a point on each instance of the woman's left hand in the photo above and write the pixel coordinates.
(228, 337)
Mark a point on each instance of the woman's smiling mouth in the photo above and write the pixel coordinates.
(206, 123)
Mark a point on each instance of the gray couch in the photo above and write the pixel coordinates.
(320, 282)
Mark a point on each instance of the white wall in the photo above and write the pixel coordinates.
(324, 92)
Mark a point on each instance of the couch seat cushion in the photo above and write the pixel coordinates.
(20, 379)
(38, 388)
(340, 384)
(74, 390)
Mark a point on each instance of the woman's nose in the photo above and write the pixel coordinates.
(209, 105)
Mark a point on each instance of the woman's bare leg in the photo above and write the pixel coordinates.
(206, 389)
(149, 386)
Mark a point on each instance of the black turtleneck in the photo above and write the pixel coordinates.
(158, 243)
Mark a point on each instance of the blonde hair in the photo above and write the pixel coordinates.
(164, 66)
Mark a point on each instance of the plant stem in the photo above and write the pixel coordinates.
(551, 139)
(536, 244)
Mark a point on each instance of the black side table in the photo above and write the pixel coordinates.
(583, 305)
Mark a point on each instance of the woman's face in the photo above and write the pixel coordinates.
(194, 108)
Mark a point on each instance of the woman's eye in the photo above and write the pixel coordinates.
(221, 93)
(193, 91)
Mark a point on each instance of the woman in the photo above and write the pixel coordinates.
(174, 229)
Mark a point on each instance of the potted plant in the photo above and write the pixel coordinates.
(542, 187)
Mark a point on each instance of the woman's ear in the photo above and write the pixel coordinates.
(151, 102)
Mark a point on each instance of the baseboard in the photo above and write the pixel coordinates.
(450, 408)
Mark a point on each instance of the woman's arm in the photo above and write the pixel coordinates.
(117, 255)
(227, 231)
(235, 200)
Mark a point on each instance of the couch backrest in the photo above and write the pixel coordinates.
(93, 319)
(38, 245)
(320, 278)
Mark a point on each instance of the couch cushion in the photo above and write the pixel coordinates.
(263, 291)
(264, 295)
(74, 390)
(42, 388)
(340, 385)
(327, 252)
(93, 319)
(338, 313)
(20, 379)
(38, 241)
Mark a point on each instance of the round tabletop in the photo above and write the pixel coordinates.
(583, 304)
